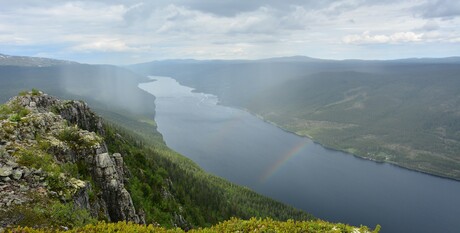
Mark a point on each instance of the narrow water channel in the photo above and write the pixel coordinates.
(331, 185)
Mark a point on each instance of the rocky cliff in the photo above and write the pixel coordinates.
(53, 151)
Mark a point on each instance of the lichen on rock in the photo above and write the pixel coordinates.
(55, 149)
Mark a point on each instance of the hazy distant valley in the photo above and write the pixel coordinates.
(404, 112)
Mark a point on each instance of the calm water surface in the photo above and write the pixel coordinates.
(329, 184)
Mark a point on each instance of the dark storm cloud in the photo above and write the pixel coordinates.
(229, 8)
(439, 9)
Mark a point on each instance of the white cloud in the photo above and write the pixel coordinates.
(104, 45)
(78, 11)
(367, 38)
(226, 29)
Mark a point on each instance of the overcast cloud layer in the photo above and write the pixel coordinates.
(125, 32)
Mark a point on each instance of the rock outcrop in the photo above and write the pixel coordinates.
(39, 134)
(108, 175)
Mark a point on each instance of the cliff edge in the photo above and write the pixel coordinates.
(53, 156)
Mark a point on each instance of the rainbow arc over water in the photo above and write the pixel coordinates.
(291, 153)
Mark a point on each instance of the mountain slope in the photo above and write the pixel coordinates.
(58, 149)
(109, 87)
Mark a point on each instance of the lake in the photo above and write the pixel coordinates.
(329, 184)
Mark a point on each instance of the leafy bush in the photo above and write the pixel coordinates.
(70, 134)
(38, 159)
(23, 112)
(55, 109)
(43, 144)
(5, 111)
(15, 118)
(70, 169)
(35, 91)
(77, 138)
(47, 214)
(14, 112)
(35, 158)
(232, 225)
(68, 215)
(58, 184)
(23, 93)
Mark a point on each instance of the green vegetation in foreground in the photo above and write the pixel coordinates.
(32, 205)
(48, 213)
(232, 225)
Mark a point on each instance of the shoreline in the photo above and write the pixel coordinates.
(195, 90)
(332, 148)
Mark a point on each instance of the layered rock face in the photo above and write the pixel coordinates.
(40, 136)
(108, 173)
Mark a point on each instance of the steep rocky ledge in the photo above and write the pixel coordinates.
(54, 150)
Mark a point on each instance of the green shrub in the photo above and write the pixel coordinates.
(70, 169)
(43, 144)
(78, 139)
(68, 215)
(70, 134)
(38, 159)
(55, 109)
(13, 112)
(5, 111)
(47, 214)
(23, 112)
(23, 93)
(58, 184)
(35, 91)
(232, 225)
(15, 117)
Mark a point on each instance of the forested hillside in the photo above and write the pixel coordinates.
(405, 112)
(168, 186)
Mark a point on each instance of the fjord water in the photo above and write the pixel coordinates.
(331, 185)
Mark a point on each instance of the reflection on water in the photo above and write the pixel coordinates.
(329, 184)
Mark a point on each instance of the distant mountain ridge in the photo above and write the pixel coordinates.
(9, 60)
(305, 59)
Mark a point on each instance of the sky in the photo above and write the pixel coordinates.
(132, 31)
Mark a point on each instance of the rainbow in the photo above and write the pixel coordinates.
(291, 153)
